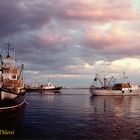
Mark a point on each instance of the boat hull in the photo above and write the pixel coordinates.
(43, 89)
(53, 88)
(110, 92)
(12, 103)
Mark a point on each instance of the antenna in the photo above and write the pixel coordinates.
(14, 54)
(8, 45)
(125, 77)
(1, 59)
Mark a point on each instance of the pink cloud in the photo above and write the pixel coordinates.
(55, 38)
(99, 11)
(55, 42)
(112, 36)
(115, 40)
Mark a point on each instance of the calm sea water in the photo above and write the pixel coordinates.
(74, 114)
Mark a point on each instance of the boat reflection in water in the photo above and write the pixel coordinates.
(12, 114)
(116, 105)
(49, 92)
(11, 122)
(116, 116)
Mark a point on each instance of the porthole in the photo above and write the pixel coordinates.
(13, 76)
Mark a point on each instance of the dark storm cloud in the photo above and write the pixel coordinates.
(16, 16)
(9, 15)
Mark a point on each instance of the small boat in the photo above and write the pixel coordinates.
(35, 86)
(110, 88)
(43, 87)
(12, 90)
(50, 86)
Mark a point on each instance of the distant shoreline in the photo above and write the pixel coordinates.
(75, 88)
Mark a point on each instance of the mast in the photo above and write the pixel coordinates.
(125, 77)
(20, 73)
(97, 78)
(8, 50)
(0, 62)
(0, 73)
(111, 79)
(105, 82)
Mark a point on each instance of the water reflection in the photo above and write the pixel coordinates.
(49, 92)
(118, 105)
(49, 96)
(73, 114)
(115, 116)
(11, 114)
(12, 121)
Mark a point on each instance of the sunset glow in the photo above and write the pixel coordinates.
(71, 40)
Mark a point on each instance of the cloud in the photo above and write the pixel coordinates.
(23, 15)
(17, 16)
(101, 11)
(114, 40)
(67, 39)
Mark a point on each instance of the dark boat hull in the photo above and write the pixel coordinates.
(12, 104)
(54, 89)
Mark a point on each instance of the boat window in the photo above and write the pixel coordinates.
(13, 76)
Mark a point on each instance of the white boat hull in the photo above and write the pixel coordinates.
(52, 88)
(5, 95)
(110, 92)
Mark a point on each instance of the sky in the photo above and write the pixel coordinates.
(69, 41)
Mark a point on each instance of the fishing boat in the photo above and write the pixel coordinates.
(43, 87)
(109, 87)
(50, 86)
(35, 86)
(12, 91)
